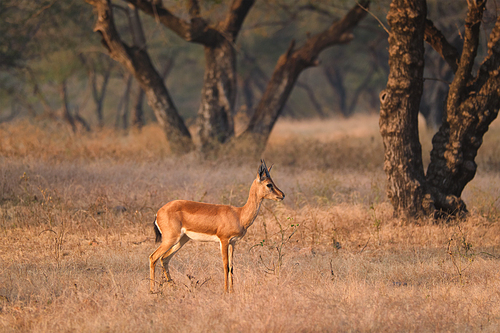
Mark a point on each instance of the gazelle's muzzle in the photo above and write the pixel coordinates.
(282, 197)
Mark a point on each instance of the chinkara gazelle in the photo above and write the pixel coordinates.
(179, 221)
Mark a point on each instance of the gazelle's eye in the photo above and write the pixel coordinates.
(270, 185)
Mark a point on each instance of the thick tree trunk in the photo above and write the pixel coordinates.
(400, 105)
(472, 105)
(215, 116)
(136, 60)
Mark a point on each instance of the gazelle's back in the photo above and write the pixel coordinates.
(199, 216)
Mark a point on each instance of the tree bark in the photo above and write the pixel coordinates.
(399, 106)
(218, 96)
(136, 60)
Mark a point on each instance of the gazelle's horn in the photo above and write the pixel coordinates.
(263, 171)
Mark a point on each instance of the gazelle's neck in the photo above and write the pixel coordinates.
(250, 210)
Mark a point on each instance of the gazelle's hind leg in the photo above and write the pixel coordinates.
(165, 259)
(230, 262)
(224, 245)
(166, 245)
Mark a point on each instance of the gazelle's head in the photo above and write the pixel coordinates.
(267, 189)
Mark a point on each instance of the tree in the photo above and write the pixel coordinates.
(472, 104)
(137, 61)
(288, 68)
(215, 115)
(94, 65)
(40, 45)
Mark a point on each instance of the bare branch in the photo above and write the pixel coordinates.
(469, 51)
(375, 17)
(288, 68)
(235, 17)
(339, 32)
(196, 31)
(492, 61)
(440, 44)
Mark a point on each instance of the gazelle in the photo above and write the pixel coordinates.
(179, 221)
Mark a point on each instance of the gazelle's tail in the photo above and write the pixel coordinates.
(157, 232)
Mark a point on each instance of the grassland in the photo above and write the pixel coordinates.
(331, 257)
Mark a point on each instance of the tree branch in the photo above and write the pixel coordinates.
(235, 17)
(469, 51)
(440, 44)
(491, 63)
(138, 63)
(289, 66)
(338, 33)
(196, 31)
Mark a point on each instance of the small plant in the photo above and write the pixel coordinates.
(25, 185)
(195, 283)
(285, 235)
(461, 253)
(58, 242)
(377, 223)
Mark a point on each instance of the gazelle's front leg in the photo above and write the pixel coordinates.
(230, 259)
(224, 247)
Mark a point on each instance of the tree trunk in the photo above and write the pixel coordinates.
(215, 116)
(99, 95)
(399, 106)
(312, 98)
(65, 106)
(136, 60)
(122, 111)
(138, 116)
(471, 106)
(286, 72)
(335, 79)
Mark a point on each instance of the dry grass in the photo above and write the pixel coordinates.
(70, 262)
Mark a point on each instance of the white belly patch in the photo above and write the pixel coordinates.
(200, 236)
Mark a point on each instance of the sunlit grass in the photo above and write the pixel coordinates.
(331, 257)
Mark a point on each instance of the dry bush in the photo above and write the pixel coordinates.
(331, 257)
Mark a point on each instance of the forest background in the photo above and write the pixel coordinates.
(51, 59)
